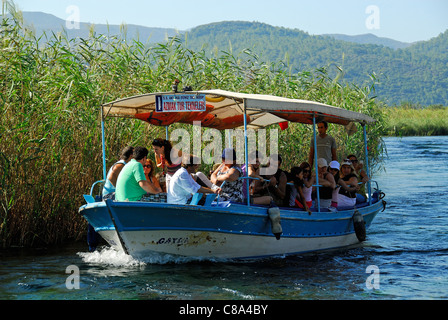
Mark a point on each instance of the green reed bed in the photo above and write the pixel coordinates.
(50, 137)
(415, 120)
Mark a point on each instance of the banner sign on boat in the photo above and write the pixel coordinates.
(180, 103)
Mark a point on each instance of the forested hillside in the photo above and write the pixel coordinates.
(417, 74)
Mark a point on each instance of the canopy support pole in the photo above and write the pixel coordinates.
(166, 133)
(316, 169)
(103, 145)
(366, 152)
(246, 157)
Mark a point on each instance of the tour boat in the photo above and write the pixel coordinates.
(220, 229)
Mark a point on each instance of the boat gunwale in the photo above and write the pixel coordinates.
(236, 209)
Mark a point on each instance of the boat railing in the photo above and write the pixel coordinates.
(369, 182)
(94, 184)
(99, 182)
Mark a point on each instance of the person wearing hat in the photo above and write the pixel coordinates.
(227, 176)
(333, 168)
(327, 183)
(349, 185)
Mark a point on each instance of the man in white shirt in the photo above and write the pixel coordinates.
(182, 184)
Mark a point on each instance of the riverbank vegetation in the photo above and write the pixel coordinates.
(50, 137)
(416, 120)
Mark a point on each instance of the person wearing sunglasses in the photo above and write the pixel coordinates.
(148, 169)
(362, 176)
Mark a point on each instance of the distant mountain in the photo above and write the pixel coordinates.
(371, 39)
(42, 22)
(418, 73)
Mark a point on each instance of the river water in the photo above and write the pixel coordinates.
(405, 256)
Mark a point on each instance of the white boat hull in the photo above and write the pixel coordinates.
(204, 244)
(232, 231)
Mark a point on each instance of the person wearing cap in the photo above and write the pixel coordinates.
(333, 168)
(326, 145)
(349, 185)
(182, 184)
(327, 183)
(227, 176)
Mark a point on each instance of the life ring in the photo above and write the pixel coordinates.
(159, 118)
(228, 123)
(218, 99)
(360, 226)
(189, 117)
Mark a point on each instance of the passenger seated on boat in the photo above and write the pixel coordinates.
(309, 179)
(114, 171)
(349, 185)
(148, 169)
(333, 168)
(167, 158)
(296, 197)
(326, 180)
(277, 181)
(161, 178)
(255, 185)
(202, 180)
(227, 176)
(361, 195)
(182, 184)
(132, 183)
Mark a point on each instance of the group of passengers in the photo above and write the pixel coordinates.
(133, 176)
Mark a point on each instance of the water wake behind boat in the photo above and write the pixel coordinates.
(108, 256)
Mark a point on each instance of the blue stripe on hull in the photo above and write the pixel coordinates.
(98, 216)
(237, 219)
(245, 223)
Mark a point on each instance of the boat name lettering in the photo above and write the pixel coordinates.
(180, 103)
(172, 241)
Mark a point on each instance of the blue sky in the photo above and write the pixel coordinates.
(403, 20)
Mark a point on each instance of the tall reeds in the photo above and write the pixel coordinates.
(416, 120)
(50, 92)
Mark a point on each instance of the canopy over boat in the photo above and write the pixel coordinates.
(226, 110)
